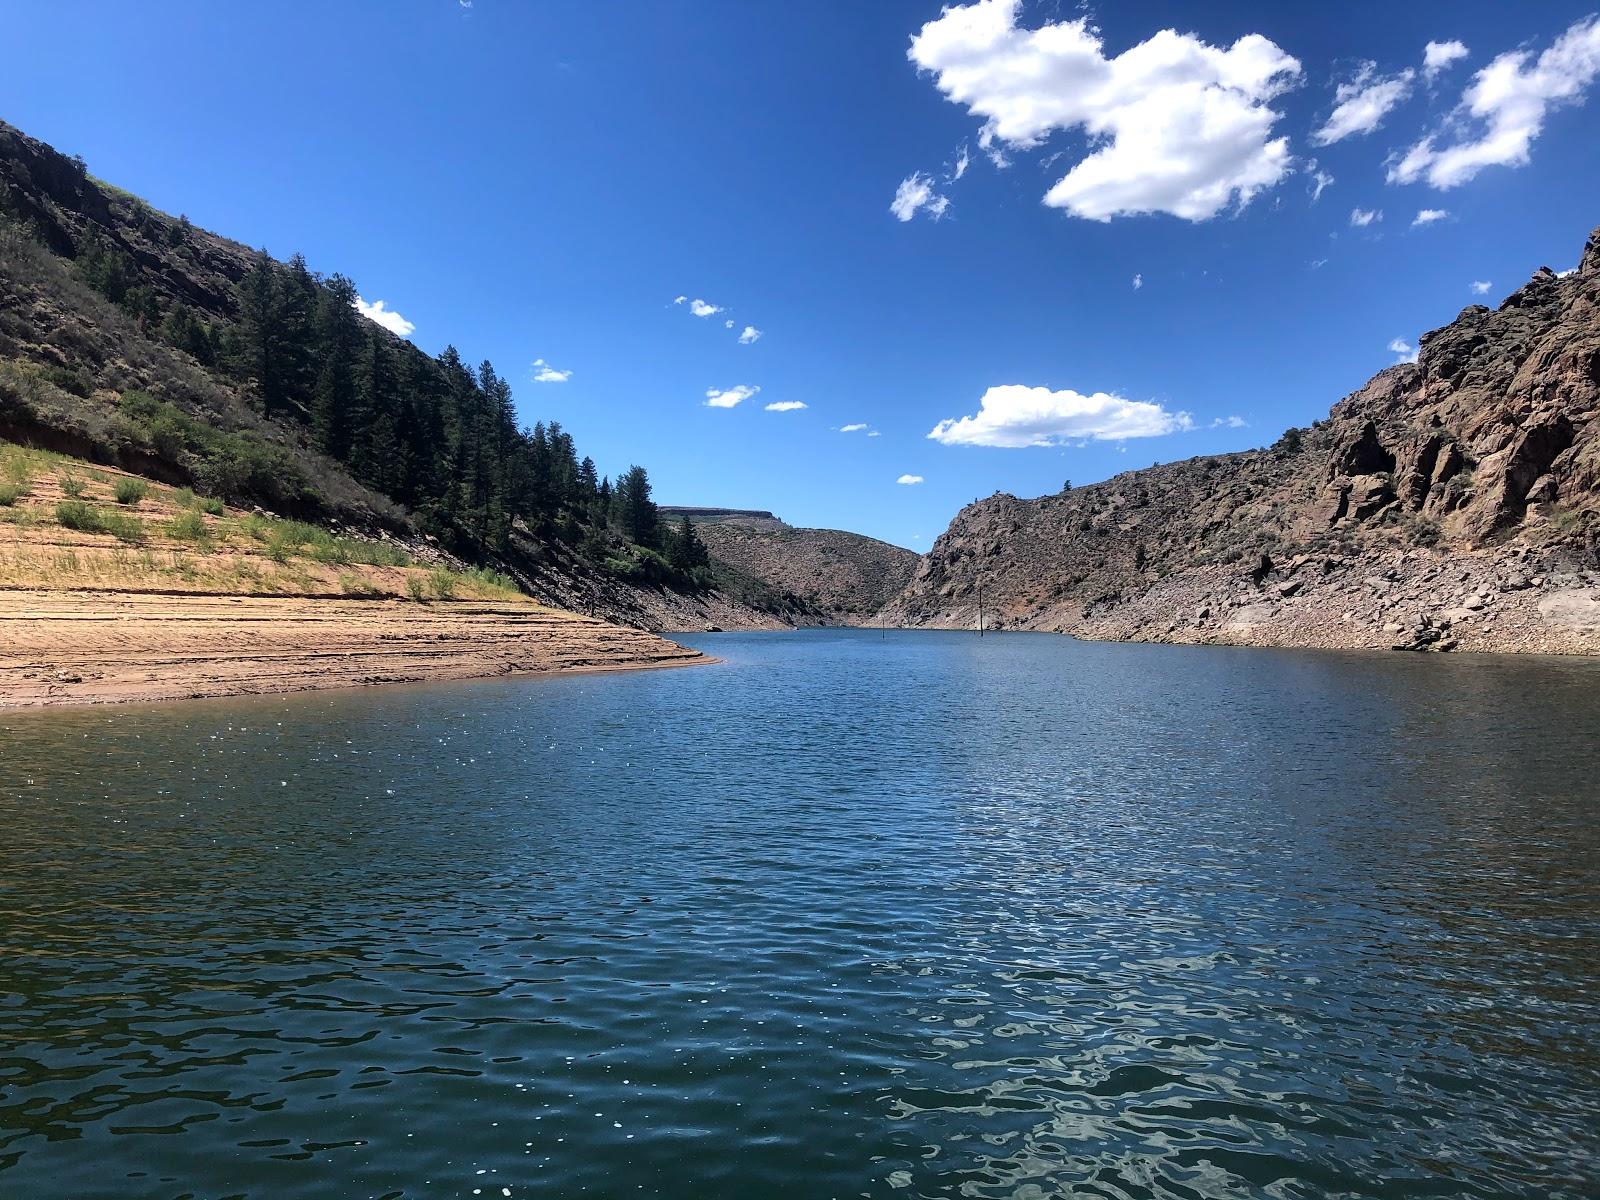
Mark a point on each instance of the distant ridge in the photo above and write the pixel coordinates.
(844, 577)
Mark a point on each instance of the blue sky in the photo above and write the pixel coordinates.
(541, 181)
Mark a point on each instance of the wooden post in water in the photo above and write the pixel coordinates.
(980, 605)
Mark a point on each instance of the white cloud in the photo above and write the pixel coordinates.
(543, 372)
(704, 308)
(1174, 125)
(916, 192)
(1361, 103)
(856, 428)
(731, 397)
(909, 479)
(1362, 217)
(1138, 282)
(1013, 415)
(786, 406)
(1320, 181)
(1429, 215)
(875, 433)
(1230, 423)
(680, 300)
(1480, 287)
(750, 334)
(387, 317)
(1406, 352)
(1437, 56)
(727, 324)
(1318, 263)
(963, 160)
(1503, 110)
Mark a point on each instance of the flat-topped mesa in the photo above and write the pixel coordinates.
(757, 517)
(1475, 470)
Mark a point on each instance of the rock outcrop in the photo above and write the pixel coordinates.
(1450, 503)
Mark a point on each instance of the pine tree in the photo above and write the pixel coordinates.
(636, 510)
(688, 551)
(339, 342)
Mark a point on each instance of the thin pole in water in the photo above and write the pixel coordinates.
(980, 605)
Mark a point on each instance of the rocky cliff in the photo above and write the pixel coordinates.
(843, 578)
(1449, 503)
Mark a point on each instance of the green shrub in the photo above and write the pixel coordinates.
(280, 551)
(85, 518)
(188, 527)
(72, 486)
(75, 514)
(257, 529)
(10, 493)
(124, 527)
(416, 588)
(131, 491)
(68, 380)
(442, 582)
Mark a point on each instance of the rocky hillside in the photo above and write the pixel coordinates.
(1450, 503)
(123, 340)
(844, 577)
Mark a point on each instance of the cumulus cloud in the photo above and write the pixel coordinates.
(909, 479)
(856, 428)
(786, 406)
(1138, 282)
(730, 397)
(727, 324)
(875, 433)
(1504, 109)
(704, 308)
(1362, 217)
(1361, 103)
(680, 300)
(1230, 423)
(543, 372)
(750, 334)
(916, 193)
(1480, 287)
(1437, 56)
(1013, 415)
(1175, 125)
(387, 317)
(1429, 215)
(1403, 350)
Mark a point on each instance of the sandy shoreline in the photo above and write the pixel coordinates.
(72, 648)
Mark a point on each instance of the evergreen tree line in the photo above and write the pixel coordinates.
(435, 434)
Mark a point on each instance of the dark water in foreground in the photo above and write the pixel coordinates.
(923, 916)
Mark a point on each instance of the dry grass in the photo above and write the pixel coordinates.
(66, 526)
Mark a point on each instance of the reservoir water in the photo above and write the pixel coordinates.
(846, 915)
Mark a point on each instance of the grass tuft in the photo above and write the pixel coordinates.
(188, 527)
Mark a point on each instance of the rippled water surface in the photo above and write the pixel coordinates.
(844, 916)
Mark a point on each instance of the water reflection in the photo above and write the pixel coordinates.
(915, 916)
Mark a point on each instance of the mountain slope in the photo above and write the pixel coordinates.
(131, 338)
(1448, 503)
(844, 577)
